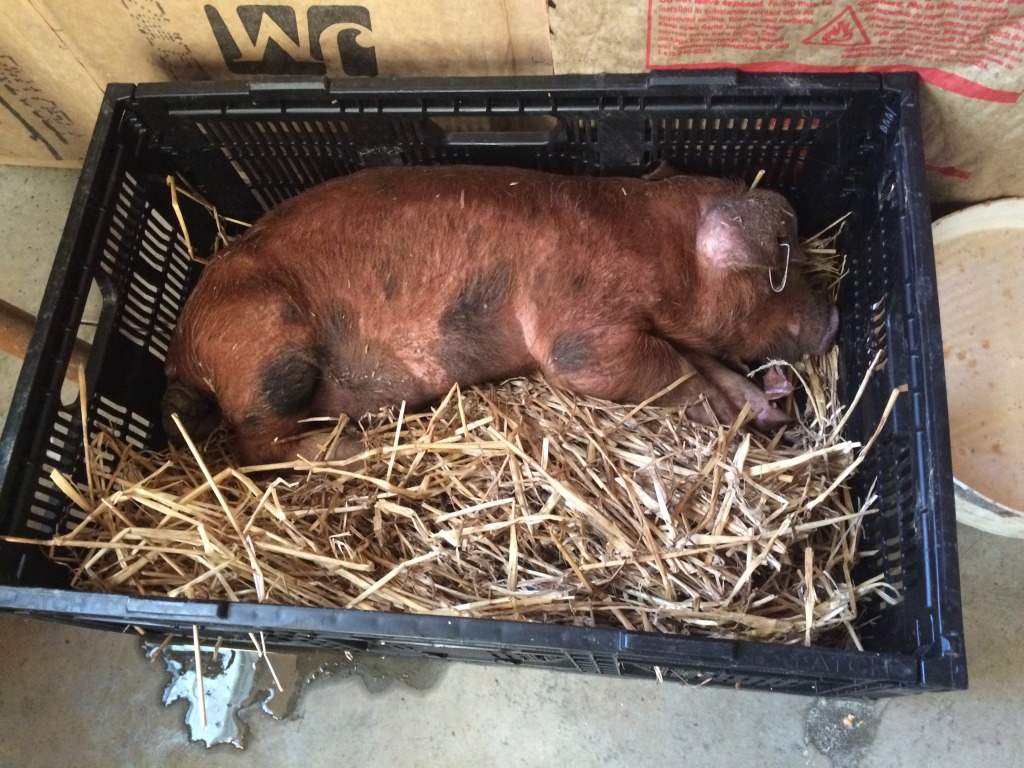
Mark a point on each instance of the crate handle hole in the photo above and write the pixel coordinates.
(494, 129)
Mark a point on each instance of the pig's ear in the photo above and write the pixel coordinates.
(747, 231)
(665, 170)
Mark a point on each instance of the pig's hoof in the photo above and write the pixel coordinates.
(776, 385)
(344, 447)
(771, 418)
(198, 415)
(701, 413)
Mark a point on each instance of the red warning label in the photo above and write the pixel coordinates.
(844, 29)
(972, 47)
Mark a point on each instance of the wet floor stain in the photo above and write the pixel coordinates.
(238, 683)
(843, 730)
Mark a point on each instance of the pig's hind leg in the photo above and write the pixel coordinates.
(628, 365)
(257, 356)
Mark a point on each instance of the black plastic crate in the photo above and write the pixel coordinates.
(832, 144)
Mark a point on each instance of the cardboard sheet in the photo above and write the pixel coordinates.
(48, 102)
(970, 54)
(58, 54)
(158, 40)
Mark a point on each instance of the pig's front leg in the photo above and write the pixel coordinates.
(198, 415)
(627, 365)
(739, 390)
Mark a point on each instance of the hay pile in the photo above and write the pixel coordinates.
(515, 501)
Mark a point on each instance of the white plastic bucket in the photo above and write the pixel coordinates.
(979, 259)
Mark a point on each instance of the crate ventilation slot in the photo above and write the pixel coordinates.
(723, 145)
(154, 296)
(123, 422)
(877, 330)
(586, 662)
(124, 219)
(277, 159)
(48, 501)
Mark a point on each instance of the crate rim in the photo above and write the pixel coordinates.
(713, 655)
(710, 83)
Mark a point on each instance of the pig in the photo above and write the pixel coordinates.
(392, 284)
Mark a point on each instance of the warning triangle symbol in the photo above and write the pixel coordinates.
(845, 30)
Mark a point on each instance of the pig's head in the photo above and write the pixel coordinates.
(752, 261)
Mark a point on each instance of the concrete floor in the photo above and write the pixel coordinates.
(77, 697)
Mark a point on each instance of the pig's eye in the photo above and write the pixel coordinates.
(784, 247)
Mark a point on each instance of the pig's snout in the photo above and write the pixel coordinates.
(810, 332)
(831, 329)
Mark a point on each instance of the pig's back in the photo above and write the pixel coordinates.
(403, 237)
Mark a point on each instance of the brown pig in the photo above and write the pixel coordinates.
(392, 284)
